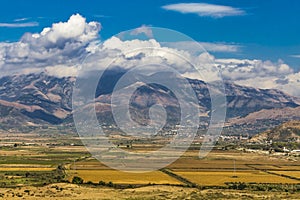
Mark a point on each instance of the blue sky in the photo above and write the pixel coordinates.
(267, 30)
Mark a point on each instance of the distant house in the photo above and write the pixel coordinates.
(296, 151)
(285, 149)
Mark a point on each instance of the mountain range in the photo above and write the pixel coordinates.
(41, 99)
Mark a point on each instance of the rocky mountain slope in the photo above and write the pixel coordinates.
(34, 98)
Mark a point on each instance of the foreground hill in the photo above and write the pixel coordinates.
(259, 121)
(64, 191)
(287, 132)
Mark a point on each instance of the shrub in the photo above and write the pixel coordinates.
(77, 180)
(90, 183)
(102, 183)
(110, 184)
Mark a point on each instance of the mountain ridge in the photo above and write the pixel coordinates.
(44, 99)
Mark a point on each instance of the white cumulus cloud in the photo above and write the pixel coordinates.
(261, 74)
(62, 44)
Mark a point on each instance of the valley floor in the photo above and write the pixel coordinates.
(36, 166)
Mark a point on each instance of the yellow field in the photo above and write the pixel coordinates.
(26, 169)
(91, 164)
(290, 167)
(120, 177)
(219, 178)
(211, 171)
(289, 173)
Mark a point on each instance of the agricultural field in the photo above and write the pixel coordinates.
(32, 159)
(35, 166)
(217, 169)
(221, 178)
(119, 177)
(295, 174)
(28, 177)
(24, 168)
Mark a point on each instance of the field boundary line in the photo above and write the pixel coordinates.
(179, 178)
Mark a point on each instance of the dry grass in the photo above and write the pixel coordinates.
(64, 191)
